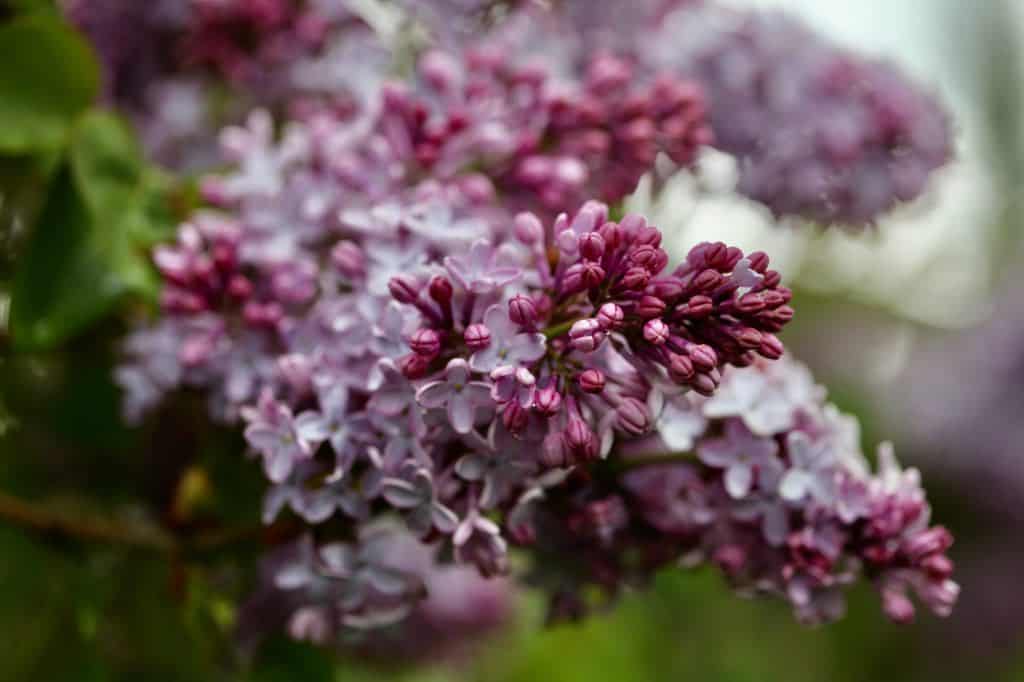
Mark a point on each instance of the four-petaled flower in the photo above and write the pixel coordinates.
(485, 270)
(415, 494)
(508, 345)
(810, 469)
(458, 393)
(742, 455)
(281, 438)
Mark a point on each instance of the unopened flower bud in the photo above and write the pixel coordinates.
(440, 289)
(580, 439)
(649, 306)
(404, 289)
(239, 287)
(656, 332)
(703, 356)
(635, 279)
(548, 400)
(522, 311)
(413, 366)
(528, 228)
(514, 417)
(426, 342)
(610, 316)
(632, 417)
(591, 245)
(586, 335)
(477, 336)
(771, 347)
(591, 381)
(349, 259)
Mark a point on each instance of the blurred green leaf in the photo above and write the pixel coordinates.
(48, 76)
(87, 248)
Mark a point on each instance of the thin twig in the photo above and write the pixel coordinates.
(630, 462)
(143, 536)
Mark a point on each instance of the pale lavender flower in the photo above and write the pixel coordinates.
(485, 269)
(458, 393)
(281, 439)
(478, 541)
(508, 345)
(810, 470)
(414, 493)
(743, 456)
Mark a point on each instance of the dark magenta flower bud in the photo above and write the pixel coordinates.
(580, 440)
(591, 381)
(680, 368)
(703, 384)
(239, 287)
(413, 366)
(426, 342)
(404, 289)
(591, 245)
(703, 356)
(649, 306)
(635, 279)
(477, 336)
(771, 347)
(522, 311)
(667, 289)
(440, 290)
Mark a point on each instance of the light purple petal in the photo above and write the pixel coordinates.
(738, 480)
(434, 394)
(460, 413)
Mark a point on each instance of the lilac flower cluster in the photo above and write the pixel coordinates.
(418, 315)
(183, 68)
(819, 132)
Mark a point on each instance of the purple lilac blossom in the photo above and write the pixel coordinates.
(485, 373)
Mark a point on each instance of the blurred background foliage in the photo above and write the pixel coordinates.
(78, 209)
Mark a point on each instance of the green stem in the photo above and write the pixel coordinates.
(559, 329)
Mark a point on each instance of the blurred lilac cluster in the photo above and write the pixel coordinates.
(819, 132)
(183, 68)
(422, 308)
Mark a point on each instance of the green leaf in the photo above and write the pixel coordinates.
(48, 76)
(89, 246)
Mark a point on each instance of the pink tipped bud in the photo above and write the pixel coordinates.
(528, 228)
(935, 540)
(349, 259)
(580, 440)
(404, 289)
(548, 400)
(413, 366)
(632, 417)
(514, 417)
(656, 332)
(522, 311)
(426, 342)
(586, 335)
(440, 289)
(592, 381)
(704, 384)
(477, 336)
(897, 606)
(553, 453)
(771, 347)
(610, 316)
